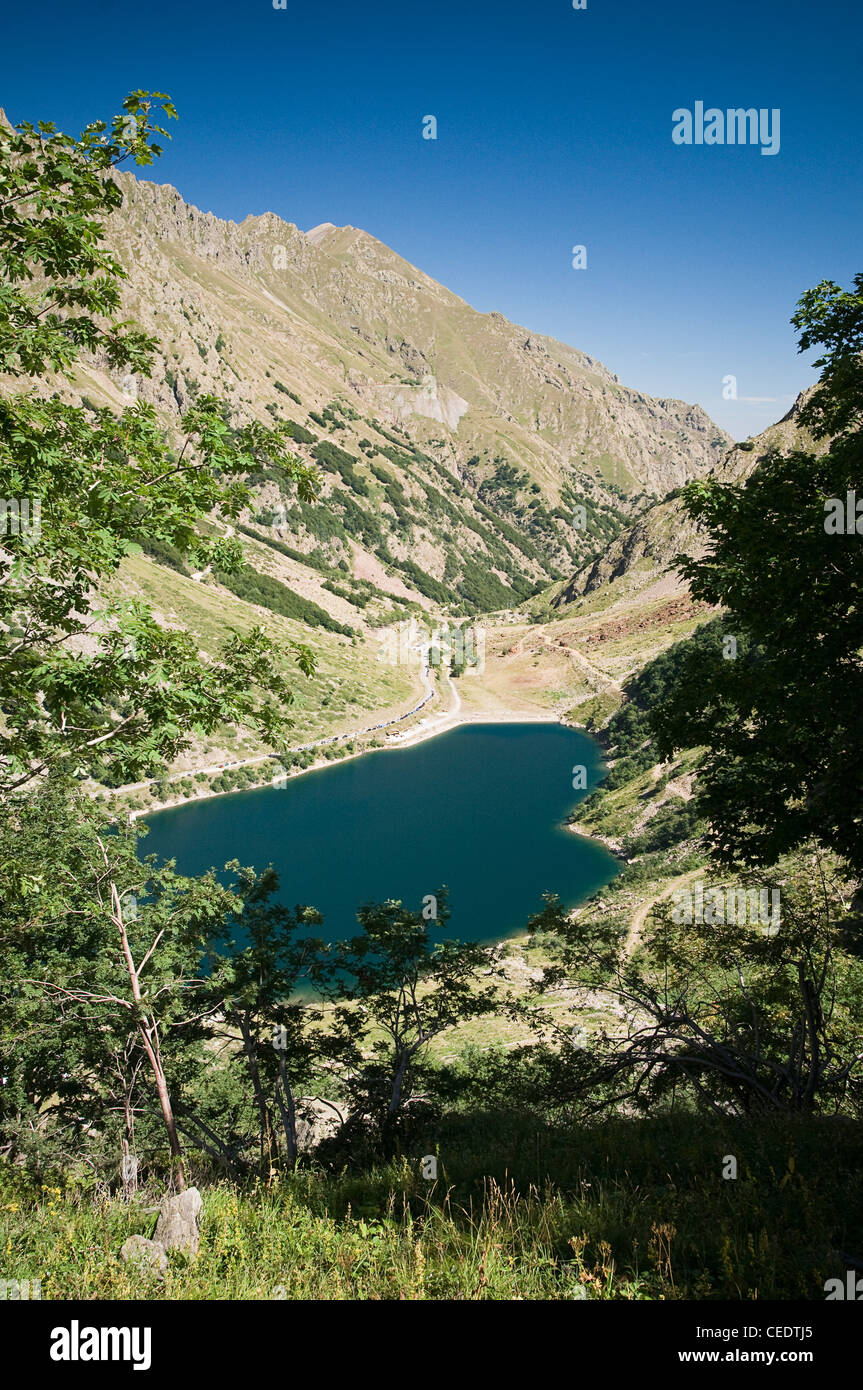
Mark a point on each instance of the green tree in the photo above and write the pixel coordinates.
(263, 962)
(400, 985)
(102, 1004)
(736, 1016)
(86, 683)
(782, 721)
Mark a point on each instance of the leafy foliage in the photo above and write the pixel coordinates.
(88, 684)
(783, 723)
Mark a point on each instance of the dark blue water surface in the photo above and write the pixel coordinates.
(480, 809)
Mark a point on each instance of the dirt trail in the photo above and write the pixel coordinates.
(556, 645)
(604, 679)
(640, 915)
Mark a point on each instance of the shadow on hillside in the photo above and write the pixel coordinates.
(716, 1207)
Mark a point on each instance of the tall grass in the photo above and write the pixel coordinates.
(627, 1209)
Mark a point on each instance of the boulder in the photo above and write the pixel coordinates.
(178, 1225)
(316, 1121)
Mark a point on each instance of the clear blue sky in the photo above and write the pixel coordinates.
(554, 129)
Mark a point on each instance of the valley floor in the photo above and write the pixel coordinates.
(559, 669)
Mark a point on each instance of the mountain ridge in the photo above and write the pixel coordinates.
(451, 441)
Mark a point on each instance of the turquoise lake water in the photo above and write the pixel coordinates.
(480, 809)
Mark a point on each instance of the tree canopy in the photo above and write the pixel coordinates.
(781, 722)
(87, 683)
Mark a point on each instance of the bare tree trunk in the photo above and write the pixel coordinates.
(811, 1006)
(144, 1027)
(129, 1170)
(288, 1113)
(398, 1083)
(260, 1098)
(129, 1162)
(148, 1030)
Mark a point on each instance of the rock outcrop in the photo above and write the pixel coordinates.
(178, 1228)
(178, 1225)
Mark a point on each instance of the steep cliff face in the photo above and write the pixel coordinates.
(455, 445)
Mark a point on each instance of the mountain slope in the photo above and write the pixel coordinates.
(639, 562)
(455, 444)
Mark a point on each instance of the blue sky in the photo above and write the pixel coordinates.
(554, 129)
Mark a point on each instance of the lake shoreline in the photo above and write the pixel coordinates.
(432, 727)
(373, 833)
(615, 846)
